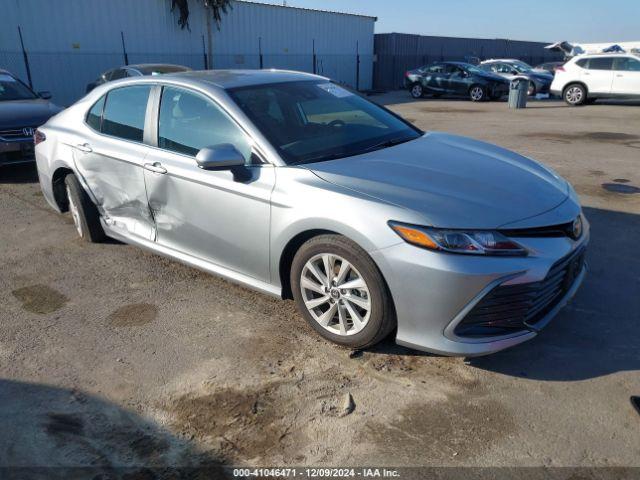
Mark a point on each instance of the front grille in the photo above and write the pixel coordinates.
(509, 309)
(14, 134)
(562, 230)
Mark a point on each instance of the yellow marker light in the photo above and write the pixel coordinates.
(415, 237)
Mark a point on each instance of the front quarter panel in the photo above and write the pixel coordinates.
(302, 202)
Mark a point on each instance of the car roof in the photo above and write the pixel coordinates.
(227, 79)
(153, 65)
(505, 60)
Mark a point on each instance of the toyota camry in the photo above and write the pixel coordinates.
(300, 188)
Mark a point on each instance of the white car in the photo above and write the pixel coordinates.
(587, 78)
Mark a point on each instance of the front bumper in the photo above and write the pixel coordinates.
(433, 292)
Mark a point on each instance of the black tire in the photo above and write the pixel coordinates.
(87, 221)
(575, 95)
(532, 89)
(478, 93)
(416, 90)
(382, 320)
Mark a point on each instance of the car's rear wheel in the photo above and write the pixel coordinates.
(341, 293)
(575, 95)
(477, 93)
(417, 91)
(84, 213)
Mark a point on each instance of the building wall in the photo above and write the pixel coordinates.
(70, 42)
(396, 53)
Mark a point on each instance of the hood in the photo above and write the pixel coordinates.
(26, 113)
(453, 182)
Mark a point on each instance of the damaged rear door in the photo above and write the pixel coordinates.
(111, 158)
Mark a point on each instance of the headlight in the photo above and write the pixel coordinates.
(472, 242)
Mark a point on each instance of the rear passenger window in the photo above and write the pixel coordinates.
(189, 122)
(584, 63)
(125, 111)
(604, 63)
(94, 117)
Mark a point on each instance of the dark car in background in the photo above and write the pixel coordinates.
(140, 70)
(21, 112)
(549, 67)
(539, 82)
(455, 78)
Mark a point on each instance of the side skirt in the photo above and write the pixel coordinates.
(212, 268)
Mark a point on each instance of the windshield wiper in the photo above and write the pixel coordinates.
(387, 144)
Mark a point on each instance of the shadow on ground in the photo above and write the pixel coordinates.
(599, 332)
(52, 433)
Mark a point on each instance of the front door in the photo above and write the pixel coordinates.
(626, 80)
(221, 216)
(109, 156)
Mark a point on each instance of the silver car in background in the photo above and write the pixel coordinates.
(300, 188)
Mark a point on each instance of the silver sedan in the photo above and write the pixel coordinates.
(290, 184)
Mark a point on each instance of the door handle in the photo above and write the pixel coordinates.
(84, 147)
(155, 167)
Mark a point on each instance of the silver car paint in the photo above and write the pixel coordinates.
(429, 181)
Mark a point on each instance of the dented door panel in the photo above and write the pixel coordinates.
(113, 172)
(219, 216)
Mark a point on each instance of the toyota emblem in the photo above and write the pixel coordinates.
(28, 131)
(576, 229)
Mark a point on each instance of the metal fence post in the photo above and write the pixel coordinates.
(357, 67)
(26, 58)
(260, 52)
(315, 68)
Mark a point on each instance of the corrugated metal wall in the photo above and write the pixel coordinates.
(70, 42)
(395, 53)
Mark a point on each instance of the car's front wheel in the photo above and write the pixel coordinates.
(477, 93)
(84, 213)
(575, 95)
(417, 91)
(532, 90)
(341, 293)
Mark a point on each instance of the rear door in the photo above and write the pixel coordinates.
(109, 155)
(598, 75)
(626, 80)
(458, 80)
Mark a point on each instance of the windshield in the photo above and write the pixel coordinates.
(13, 89)
(314, 121)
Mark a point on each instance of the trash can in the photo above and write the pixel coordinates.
(518, 93)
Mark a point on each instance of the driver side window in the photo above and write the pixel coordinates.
(189, 122)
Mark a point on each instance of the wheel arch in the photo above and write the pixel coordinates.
(289, 251)
(58, 187)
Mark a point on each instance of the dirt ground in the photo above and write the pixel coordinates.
(110, 356)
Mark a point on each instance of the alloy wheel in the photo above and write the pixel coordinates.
(574, 95)
(75, 213)
(477, 93)
(335, 294)
(416, 91)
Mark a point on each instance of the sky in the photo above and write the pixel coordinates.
(537, 20)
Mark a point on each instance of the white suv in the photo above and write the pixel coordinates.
(586, 78)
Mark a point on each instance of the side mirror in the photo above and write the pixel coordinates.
(220, 157)
(44, 95)
(515, 72)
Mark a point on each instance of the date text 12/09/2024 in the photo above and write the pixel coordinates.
(315, 473)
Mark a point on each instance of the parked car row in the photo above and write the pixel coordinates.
(583, 79)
